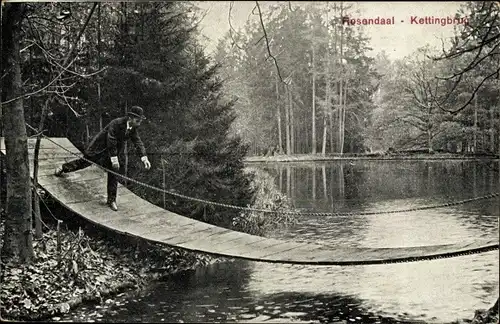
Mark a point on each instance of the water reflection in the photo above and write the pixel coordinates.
(432, 291)
(442, 290)
(344, 185)
(222, 293)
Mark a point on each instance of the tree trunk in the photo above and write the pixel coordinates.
(341, 88)
(288, 181)
(474, 143)
(327, 109)
(344, 99)
(330, 126)
(328, 62)
(99, 64)
(313, 117)
(323, 176)
(287, 122)
(125, 153)
(18, 236)
(492, 130)
(278, 114)
(36, 199)
(429, 139)
(325, 125)
(313, 182)
(292, 123)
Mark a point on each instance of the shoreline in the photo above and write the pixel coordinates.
(91, 265)
(93, 273)
(367, 157)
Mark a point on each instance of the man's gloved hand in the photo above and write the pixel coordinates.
(114, 163)
(145, 160)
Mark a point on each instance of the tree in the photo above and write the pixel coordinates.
(481, 36)
(163, 68)
(18, 236)
(292, 40)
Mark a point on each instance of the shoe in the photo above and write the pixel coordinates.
(59, 172)
(112, 205)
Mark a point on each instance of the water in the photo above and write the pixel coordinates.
(441, 291)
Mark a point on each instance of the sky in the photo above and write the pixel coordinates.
(396, 40)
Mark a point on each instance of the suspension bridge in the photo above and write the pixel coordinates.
(83, 192)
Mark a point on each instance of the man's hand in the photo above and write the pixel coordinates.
(114, 163)
(145, 160)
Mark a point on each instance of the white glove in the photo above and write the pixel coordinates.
(145, 160)
(114, 163)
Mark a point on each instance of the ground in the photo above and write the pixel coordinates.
(87, 269)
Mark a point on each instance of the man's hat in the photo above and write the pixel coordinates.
(136, 111)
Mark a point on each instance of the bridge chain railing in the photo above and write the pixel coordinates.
(287, 212)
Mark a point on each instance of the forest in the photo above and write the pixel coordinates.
(72, 67)
(295, 80)
(310, 86)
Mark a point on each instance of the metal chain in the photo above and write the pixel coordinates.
(488, 196)
(446, 255)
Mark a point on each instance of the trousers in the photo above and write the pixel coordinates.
(101, 159)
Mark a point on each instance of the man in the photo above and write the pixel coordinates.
(105, 147)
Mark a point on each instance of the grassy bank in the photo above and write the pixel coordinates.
(367, 156)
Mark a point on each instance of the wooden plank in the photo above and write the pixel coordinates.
(48, 163)
(132, 206)
(91, 208)
(137, 226)
(45, 146)
(91, 173)
(95, 210)
(50, 143)
(211, 236)
(184, 233)
(260, 248)
(124, 211)
(173, 237)
(94, 184)
(50, 154)
(241, 239)
(211, 242)
(126, 225)
(250, 245)
(72, 192)
(164, 219)
(45, 170)
(98, 192)
(298, 254)
(277, 252)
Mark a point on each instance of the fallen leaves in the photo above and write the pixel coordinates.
(89, 269)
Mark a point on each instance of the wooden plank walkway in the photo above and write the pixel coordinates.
(84, 192)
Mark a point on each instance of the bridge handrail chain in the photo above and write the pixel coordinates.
(208, 202)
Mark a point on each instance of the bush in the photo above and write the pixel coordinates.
(267, 197)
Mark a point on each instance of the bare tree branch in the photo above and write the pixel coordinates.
(489, 76)
(41, 89)
(484, 41)
(475, 62)
(267, 42)
(68, 57)
(231, 28)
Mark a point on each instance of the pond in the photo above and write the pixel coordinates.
(443, 290)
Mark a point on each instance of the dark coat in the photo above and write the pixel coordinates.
(112, 138)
